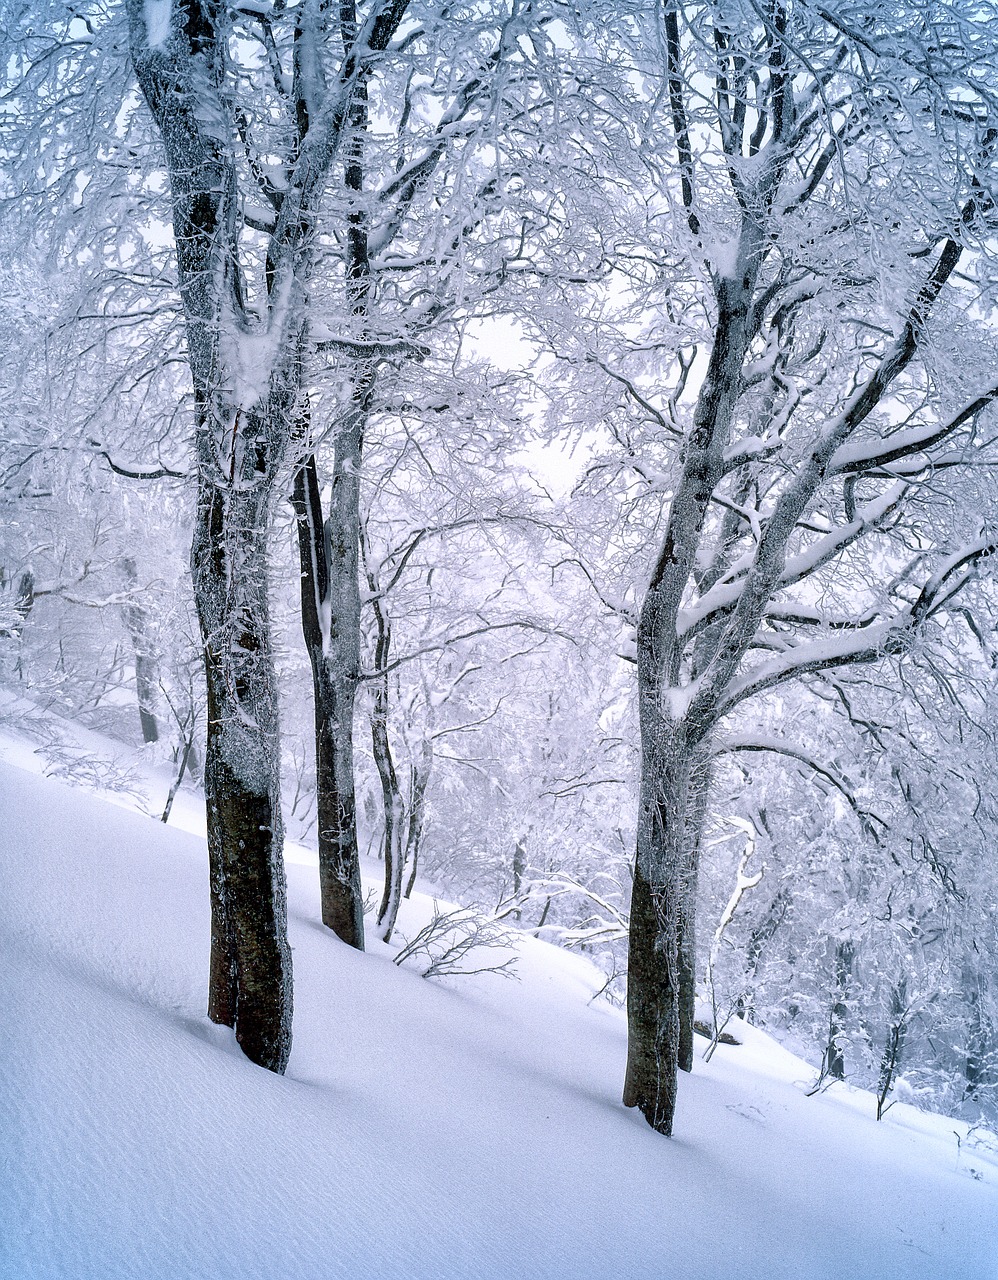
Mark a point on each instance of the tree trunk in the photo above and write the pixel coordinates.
(699, 784)
(975, 1069)
(894, 1044)
(519, 868)
(659, 978)
(250, 977)
(834, 1065)
(146, 666)
(330, 624)
(419, 780)
(392, 806)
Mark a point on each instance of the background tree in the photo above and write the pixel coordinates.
(435, 213)
(789, 364)
(246, 310)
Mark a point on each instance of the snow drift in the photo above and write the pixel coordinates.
(423, 1131)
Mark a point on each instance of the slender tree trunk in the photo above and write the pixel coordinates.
(419, 781)
(330, 552)
(834, 1055)
(341, 893)
(699, 789)
(894, 1044)
(519, 867)
(391, 792)
(185, 756)
(146, 666)
(331, 625)
(250, 976)
(975, 1062)
(391, 797)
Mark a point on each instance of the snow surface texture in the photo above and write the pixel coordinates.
(423, 1132)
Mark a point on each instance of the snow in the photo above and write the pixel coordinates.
(423, 1131)
(157, 20)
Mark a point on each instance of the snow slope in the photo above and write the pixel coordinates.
(424, 1132)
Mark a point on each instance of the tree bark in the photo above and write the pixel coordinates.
(146, 666)
(331, 625)
(699, 790)
(897, 1030)
(659, 968)
(250, 973)
(391, 797)
(241, 441)
(419, 779)
(834, 1055)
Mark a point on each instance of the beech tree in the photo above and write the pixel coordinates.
(434, 215)
(818, 210)
(246, 309)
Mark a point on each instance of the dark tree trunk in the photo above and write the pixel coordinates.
(834, 1064)
(975, 1067)
(419, 780)
(391, 792)
(391, 798)
(652, 1006)
(330, 551)
(250, 976)
(330, 624)
(699, 784)
(519, 867)
(897, 1031)
(185, 756)
(659, 967)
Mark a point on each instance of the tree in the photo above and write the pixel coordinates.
(789, 365)
(246, 310)
(434, 214)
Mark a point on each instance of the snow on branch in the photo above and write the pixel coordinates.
(778, 746)
(893, 635)
(797, 567)
(859, 457)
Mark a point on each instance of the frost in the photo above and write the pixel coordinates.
(251, 353)
(157, 20)
(747, 447)
(241, 750)
(723, 256)
(676, 701)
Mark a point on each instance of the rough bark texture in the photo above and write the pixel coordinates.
(241, 440)
(250, 975)
(334, 655)
(660, 932)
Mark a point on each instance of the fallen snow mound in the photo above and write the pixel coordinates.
(423, 1132)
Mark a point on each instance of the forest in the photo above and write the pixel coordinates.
(548, 448)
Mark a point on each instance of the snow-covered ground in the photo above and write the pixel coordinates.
(424, 1131)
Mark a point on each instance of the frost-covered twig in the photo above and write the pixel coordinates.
(447, 942)
(743, 883)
